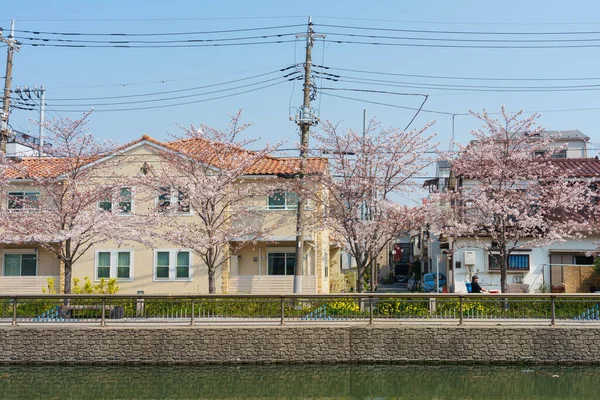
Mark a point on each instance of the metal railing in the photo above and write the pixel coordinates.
(521, 309)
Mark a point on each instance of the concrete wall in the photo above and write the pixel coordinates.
(308, 344)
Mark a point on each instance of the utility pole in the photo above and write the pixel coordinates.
(42, 105)
(305, 119)
(373, 255)
(25, 95)
(11, 46)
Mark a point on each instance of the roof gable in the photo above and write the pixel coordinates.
(48, 167)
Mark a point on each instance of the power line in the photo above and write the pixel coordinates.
(457, 77)
(181, 103)
(475, 88)
(464, 40)
(158, 19)
(171, 98)
(460, 46)
(457, 32)
(392, 105)
(119, 42)
(157, 46)
(459, 22)
(376, 91)
(171, 91)
(163, 33)
(163, 81)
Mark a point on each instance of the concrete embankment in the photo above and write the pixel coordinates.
(299, 344)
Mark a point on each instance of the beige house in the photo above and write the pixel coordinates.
(264, 267)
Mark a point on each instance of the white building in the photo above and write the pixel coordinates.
(530, 269)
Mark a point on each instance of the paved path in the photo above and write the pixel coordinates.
(392, 288)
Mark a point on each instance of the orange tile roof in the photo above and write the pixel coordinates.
(269, 165)
(46, 167)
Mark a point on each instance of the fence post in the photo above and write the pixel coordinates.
(460, 310)
(282, 311)
(103, 319)
(192, 318)
(370, 310)
(552, 310)
(14, 316)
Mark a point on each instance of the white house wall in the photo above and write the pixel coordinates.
(538, 272)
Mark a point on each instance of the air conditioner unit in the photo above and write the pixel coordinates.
(469, 258)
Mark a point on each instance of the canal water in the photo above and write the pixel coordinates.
(406, 382)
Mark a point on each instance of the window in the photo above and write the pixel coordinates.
(162, 265)
(183, 264)
(164, 199)
(114, 264)
(23, 201)
(283, 200)
(103, 270)
(560, 154)
(584, 260)
(168, 196)
(17, 264)
(172, 265)
(516, 262)
(124, 199)
(326, 264)
(281, 263)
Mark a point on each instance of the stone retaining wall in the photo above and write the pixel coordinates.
(287, 344)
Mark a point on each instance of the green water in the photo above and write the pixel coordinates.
(299, 382)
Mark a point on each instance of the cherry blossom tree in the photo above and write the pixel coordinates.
(53, 200)
(201, 174)
(510, 194)
(369, 172)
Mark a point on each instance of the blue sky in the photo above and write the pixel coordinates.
(99, 72)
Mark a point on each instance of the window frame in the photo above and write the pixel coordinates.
(285, 250)
(174, 200)
(491, 267)
(114, 264)
(173, 252)
(285, 205)
(116, 199)
(20, 252)
(22, 208)
(562, 154)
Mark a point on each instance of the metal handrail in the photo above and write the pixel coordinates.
(304, 296)
(366, 301)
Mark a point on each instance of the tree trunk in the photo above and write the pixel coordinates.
(68, 276)
(360, 278)
(503, 270)
(212, 289)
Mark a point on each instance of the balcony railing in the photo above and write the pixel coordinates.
(124, 310)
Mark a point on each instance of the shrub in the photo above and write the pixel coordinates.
(402, 308)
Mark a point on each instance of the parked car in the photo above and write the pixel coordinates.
(430, 284)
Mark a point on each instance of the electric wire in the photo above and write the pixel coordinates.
(460, 46)
(446, 32)
(172, 91)
(456, 77)
(35, 40)
(180, 103)
(253, 29)
(170, 98)
(127, 46)
(460, 40)
(392, 105)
